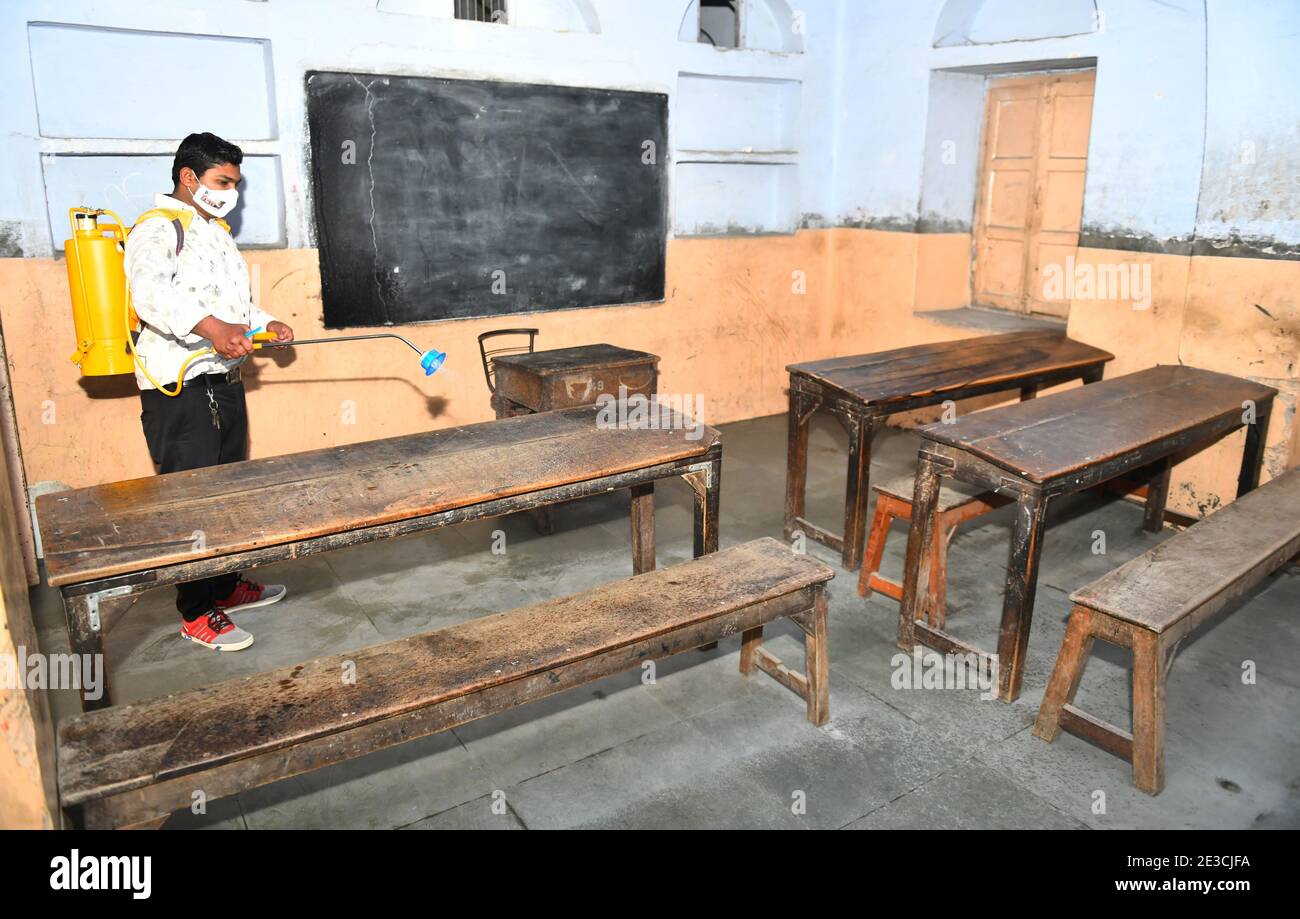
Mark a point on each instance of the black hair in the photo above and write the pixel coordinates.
(201, 152)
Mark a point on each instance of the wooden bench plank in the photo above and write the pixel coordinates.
(952, 494)
(1051, 437)
(1155, 590)
(925, 370)
(127, 747)
(106, 530)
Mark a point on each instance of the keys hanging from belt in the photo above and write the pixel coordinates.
(214, 409)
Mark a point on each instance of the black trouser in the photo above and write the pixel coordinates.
(181, 434)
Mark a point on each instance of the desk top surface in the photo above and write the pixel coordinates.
(137, 525)
(1056, 435)
(564, 360)
(952, 366)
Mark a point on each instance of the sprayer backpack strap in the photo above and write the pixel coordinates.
(180, 222)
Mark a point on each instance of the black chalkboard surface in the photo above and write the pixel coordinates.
(439, 198)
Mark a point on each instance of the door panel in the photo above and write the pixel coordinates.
(1012, 118)
(1031, 195)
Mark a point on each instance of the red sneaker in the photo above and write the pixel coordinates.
(248, 594)
(216, 632)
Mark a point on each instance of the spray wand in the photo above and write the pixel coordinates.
(430, 360)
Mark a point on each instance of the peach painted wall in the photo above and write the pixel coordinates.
(733, 318)
(1232, 315)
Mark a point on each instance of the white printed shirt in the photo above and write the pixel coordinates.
(172, 294)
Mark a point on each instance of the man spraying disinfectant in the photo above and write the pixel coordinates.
(190, 288)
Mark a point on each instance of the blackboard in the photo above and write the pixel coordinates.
(438, 198)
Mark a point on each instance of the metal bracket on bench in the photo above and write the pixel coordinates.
(706, 468)
(92, 603)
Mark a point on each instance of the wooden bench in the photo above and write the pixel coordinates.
(106, 544)
(957, 503)
(132, 765)
(1151, 603)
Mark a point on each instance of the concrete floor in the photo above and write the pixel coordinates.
(705, 747)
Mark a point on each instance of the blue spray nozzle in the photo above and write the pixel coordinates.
(431, 361)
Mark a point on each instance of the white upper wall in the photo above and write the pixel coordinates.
(139, 97)
(847, 131)
(1152, 130)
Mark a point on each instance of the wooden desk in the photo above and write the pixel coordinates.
(543, 381)
(547, 380)
(862, 390)
(110, 542)
(1059, 445)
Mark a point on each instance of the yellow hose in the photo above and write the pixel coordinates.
(139, 361)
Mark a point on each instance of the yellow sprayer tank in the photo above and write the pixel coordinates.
(97, 282)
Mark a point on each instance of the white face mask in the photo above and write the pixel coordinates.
(216, 201)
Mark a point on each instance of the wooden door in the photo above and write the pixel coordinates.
(1034, 158)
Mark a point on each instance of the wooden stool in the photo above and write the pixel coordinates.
(957, 503)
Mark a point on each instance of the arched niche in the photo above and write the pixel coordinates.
(555, 15)
(765, 25)
(983, 22)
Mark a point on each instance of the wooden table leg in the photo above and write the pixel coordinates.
(1018, 600)
(857, 491)
(916, 567)
(796, 462)
(1252, 459)
(87, 640)
(707, 488)
(1157, 496)
(643, 528)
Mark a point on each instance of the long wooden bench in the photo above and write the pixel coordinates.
(1151, 603)
(133, 765)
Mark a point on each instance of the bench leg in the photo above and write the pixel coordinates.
(875, 551)
(916, 568)
(1064, 682)
(817, 663)
(1148, 712)
(643, 528)
(813, 686)
(1157, 496)
(750, 641)
(87, 640)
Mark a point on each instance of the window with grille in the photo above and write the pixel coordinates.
(481, 10)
